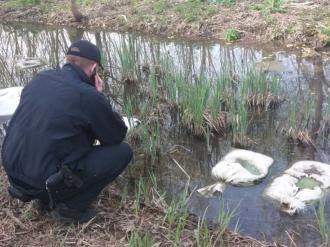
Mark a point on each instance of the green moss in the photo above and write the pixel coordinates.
(307, 183)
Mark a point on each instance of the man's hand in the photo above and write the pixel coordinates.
(98, 83)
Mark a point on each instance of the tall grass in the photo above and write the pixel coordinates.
(271, 6)
(260, 90)
(177, 209)
(300, 121)
(194, 104)
(203, 234)
(138, 239)
(240, 122)
(127, 54)
(322, 222)
(225, 216)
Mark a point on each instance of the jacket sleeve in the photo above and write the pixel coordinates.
(106, 124)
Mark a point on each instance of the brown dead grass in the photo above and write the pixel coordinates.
(299, 24)
(22, 225)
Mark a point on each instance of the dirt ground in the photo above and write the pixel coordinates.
(294, 23)
(23, 225)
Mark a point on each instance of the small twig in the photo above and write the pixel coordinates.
(177, 163)
(85, 226)
(292, 241)
(174, 148)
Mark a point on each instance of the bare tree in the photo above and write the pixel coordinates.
(78, 16)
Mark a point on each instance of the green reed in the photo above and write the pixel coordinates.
(322, 223)
(154, 90)
(177, 209)
(203, 235)
(240, 122)
(194, 104)
(127, 57)
(138, 195)
(225, 216)
(220, 93)
(139, 239)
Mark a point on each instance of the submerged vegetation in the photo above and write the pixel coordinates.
(323, 224)
(300, 122)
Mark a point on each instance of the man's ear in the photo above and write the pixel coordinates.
(93, 68)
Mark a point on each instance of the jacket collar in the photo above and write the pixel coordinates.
(77, 72)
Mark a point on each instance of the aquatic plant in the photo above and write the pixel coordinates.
(154, 94)
(193, 105)
(299, 122)
(261, 91)
(240, 124)
(325, 126)
(232, 34)
(218, 123)
(322, 222)
(127, 56)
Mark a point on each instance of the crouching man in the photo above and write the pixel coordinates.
(48, 152)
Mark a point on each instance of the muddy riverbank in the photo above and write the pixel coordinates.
(292, 24)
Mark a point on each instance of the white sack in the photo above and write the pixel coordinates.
(9, 100)
(230, 169)
(285, 190)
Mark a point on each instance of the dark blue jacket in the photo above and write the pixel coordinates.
(59, 116)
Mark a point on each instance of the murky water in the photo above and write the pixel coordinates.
(302, 78)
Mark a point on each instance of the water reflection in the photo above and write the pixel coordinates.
(303, 79)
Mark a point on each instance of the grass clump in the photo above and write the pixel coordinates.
(22, 3)
(300, 122)
(138, 239)
(232, 34)
(127, 54)
(323, 226)
(225, 2)
(270, 6)
(160, 6)
(194, 104)
(193, 10)
(326, 30)
(260, 91)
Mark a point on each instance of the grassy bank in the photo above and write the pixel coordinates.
(259, 21)
(134, 215)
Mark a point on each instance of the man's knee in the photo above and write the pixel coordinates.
(127, 151)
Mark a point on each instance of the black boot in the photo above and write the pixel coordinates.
(72, 216)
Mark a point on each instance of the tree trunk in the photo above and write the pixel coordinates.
(78, 16)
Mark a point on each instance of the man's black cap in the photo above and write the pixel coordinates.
(85, 49)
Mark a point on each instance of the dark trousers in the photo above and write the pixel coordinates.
(97, 169)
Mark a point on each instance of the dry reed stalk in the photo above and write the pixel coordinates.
(219, 124)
